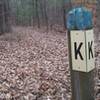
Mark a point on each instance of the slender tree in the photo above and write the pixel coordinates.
(4, 16)
(45, 13)
(37, 13)
(64, 13)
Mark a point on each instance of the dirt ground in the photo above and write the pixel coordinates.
(34, 65)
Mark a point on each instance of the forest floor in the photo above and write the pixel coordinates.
(34, 65)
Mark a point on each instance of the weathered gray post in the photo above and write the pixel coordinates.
(81, 53)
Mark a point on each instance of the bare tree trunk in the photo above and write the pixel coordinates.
(33, 15)
(7, 16)
(64, 14)
(16, 17)
(4, 16)
(37, 14)
(42, 11)
(22, 17)
(45, 13)
(1, 17)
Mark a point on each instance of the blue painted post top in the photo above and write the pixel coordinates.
(79, 19)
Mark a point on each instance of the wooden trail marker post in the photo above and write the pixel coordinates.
(81, 58)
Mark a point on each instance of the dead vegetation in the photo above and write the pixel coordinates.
(34, 65)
